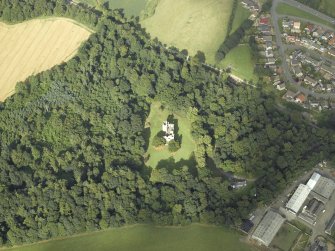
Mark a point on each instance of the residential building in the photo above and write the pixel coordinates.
(297, 71)
(281, 87)
(300, 98)
(168, 128)
(310, 81)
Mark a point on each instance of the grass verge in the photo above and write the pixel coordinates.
(286, 9)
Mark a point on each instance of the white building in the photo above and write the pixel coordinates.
(268, 228)
(298, 198)
(168, 128)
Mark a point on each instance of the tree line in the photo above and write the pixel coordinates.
(72, 140)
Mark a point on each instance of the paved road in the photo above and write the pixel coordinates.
(282, 48)
(309, 10)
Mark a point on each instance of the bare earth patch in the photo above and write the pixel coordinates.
(35, 46)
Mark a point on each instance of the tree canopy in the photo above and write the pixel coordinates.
(72, 139)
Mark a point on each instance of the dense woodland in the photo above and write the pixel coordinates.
(72, 138)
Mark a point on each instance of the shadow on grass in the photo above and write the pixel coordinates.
(170, 164)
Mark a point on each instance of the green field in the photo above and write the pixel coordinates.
(240, 61)
(155, 120)
(240, 15)
(148, 238)
(192, 25)
(131, 7)
(301, 243)
(286, 237)
(285, 9)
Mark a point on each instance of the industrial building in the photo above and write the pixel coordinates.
(318, 187)
(268, 228)
(298, 198)
(324, 187)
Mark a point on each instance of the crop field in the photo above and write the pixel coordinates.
(155, 121)
(192, 25)
(286, 9)
(241, 62)
(286, 237)
(148, 238)
(34, 46)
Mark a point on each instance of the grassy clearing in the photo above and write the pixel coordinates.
(286, 9)
(155, 120)
(240, 16)
(148, 238)
(301, 243)
(286, 237)
(240, 61)
(35, 46)
(192, 25)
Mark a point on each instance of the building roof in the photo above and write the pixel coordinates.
(298, 198)
(264, 20)
(268, 228)
(313, 180)
(324, 187)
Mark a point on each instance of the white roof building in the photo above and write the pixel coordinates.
(313, 180)
(268, 228)
(298, 198)
(168, 128)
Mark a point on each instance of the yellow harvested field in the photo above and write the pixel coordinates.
(34, 46)
(191, 24)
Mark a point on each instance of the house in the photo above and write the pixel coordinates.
(265, 29)
(267, 38)
(318, 32)
(310, 81)
(332, 41)
(238, 184)
(168, 128)
(312, 61)
(296, 27)
(297, 71)
(300, 98)
(287, 24)
(314, 104)
(270, 61)
(328, 69)
(309, 28)
(269, 53)
(289, 95)
(250, 5)
(295, 62)
(331, 52)
(281, 87)
(264, 20)
(291, 39)
(268, 45)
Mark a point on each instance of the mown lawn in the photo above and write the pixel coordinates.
(241, 62)
(148, 238)
(155, 121)
(286, 237)
(240, 16)
(286, 9)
